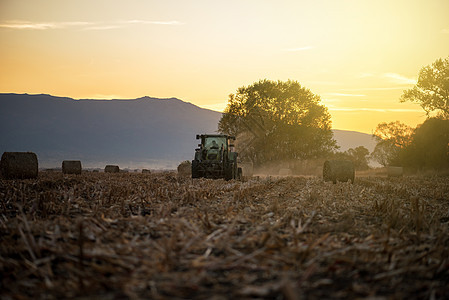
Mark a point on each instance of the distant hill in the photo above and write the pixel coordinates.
(352, 139)
(146, 131)
(135, 133)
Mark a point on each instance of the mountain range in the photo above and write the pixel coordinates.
(133, 133)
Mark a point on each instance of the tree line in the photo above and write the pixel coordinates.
(278, 121)
(427, 145)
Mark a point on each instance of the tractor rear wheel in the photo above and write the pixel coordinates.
(195, 172)
(229, 172)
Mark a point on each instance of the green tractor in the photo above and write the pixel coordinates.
(214, 158)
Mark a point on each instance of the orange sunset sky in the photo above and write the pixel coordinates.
(357, 55)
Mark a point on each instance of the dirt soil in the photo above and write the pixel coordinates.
(160, 236)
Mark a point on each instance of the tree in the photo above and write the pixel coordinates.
(397, 133)
(429, 147)
(391, 138)
(385, 153)
(276, 121)
(359, 156)
(432, 89)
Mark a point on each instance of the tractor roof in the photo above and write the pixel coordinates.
(215, 135)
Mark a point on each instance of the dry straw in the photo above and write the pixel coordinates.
(71, 167)
(338, 170)
(162, 236)
(19, 165)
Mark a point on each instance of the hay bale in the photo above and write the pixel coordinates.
(338, 170)
(395, 171)
(185, 168)
(19, 165)
(111, 169)
(146, 171)
(71, 167)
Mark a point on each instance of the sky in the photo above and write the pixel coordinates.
(358, 56)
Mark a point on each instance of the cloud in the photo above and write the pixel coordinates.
(397, 78)
(345, 95)
(42, 26)
(152, 22)
(392, 78)
(384, 110)
(27, 25)
(377, 89)
(331, 100)
(365, 75)
(102, 27)
(298, 49)
(321, 82)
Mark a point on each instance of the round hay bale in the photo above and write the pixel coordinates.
(395, 171)
(185, 168)
(338, 170)
(71, 167)
(146, 171)
(111, 169)
(19, 165)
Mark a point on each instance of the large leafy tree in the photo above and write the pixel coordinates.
(432, 89)
(276, 120)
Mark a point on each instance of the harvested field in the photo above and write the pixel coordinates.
(160, 236)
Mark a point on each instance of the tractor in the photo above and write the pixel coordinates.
(214, 158)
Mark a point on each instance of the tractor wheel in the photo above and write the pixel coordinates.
(229, 172)
(195, 172)
(239, 174)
